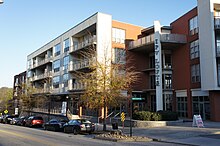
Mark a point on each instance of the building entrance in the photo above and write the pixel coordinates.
(201, 106)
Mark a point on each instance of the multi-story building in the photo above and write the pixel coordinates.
(18, 90)
(182, 66)
(52, 67)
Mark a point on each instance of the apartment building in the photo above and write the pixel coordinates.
(182, 68)
(18, 90)
(52, 67)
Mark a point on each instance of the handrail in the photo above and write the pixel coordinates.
(109, 115)
(116, 114)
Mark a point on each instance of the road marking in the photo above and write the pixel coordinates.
(29, 138)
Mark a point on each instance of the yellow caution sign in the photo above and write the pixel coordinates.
(5, 111)
(122, 116)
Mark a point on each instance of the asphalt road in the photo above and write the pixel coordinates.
(11, 135)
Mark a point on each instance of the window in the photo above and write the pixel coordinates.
(168, 61)
(218, 45)
(195, 73)
(66, 45)
(152, 62)
(193, 25)
(57, 49)
(120, 56)
(218, 70)
(152, 82)
(29, 64)
(65, 80)
(56, 81)
(167, 81)
(194, 49)
(182, 106)
(65, 62)
(118, 35)
(56, 65)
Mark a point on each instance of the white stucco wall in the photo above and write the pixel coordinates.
(207, 45)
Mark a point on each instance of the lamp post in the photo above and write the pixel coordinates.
(1, 1)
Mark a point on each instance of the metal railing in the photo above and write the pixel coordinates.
(142, 41)
(83, 44)
(173, 38)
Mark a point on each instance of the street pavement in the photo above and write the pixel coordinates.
(183, 133)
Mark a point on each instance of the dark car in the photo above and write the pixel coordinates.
(79, 125)
(55, 124)
(7, 119)
(22, 120)
(34, 121)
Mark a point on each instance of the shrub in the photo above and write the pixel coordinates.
(168, 115)
(155, 116)
(142, 115)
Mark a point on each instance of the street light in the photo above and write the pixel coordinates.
(1, 1)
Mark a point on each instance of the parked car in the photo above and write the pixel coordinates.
(79, 125)
(1, 119)
(14, 121)
(22, 120)
(55, 124)
(34, 121)
(7, 119)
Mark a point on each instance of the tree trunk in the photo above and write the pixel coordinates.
(104, 120)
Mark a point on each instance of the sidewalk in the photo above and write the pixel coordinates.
(183, 133)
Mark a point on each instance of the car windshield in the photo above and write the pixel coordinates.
(84, 121)
(38, 118)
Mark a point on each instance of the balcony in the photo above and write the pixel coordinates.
(42, 62)
(147, 43)
(41, 76)
(43, 90)
(76, 85)
(81, 64)
(141, 42)
(173, 38)
(217, 22)
(85, 43)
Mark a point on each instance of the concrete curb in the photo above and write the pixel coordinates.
(133, 139)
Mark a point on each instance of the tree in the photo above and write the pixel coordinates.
(104, 81)
(6, 95)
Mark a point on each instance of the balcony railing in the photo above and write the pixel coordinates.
(217, 22)
(41, 76)
(166, 38)
(41, 62)
(173, 38)
(142, 41)
(81, 64)
(76, 85)
(85, 43)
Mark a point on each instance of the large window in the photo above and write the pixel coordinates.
(56, 65)
(120, 56)
(193, 25)
(65, 80)
(152, 82)
(218, 45)
(65, 62)
(182, 106)
(118, 35)
(167, 81)
(194, 49)
(56, 81)
(57, 49)
(195, 73)
(152, 62)
(201, 106)
(66, 45)
(218, 70)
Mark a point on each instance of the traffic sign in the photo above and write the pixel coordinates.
(5, 111)
(122, 116)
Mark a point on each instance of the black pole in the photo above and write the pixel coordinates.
(131, 105)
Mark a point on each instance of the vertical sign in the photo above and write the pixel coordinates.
(63, 110)
(158, 66)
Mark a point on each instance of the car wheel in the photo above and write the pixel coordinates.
(64, 130)
(75, 131)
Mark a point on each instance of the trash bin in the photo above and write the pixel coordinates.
(114, 125)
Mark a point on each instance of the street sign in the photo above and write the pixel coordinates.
(137, 98)
(122, 116)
